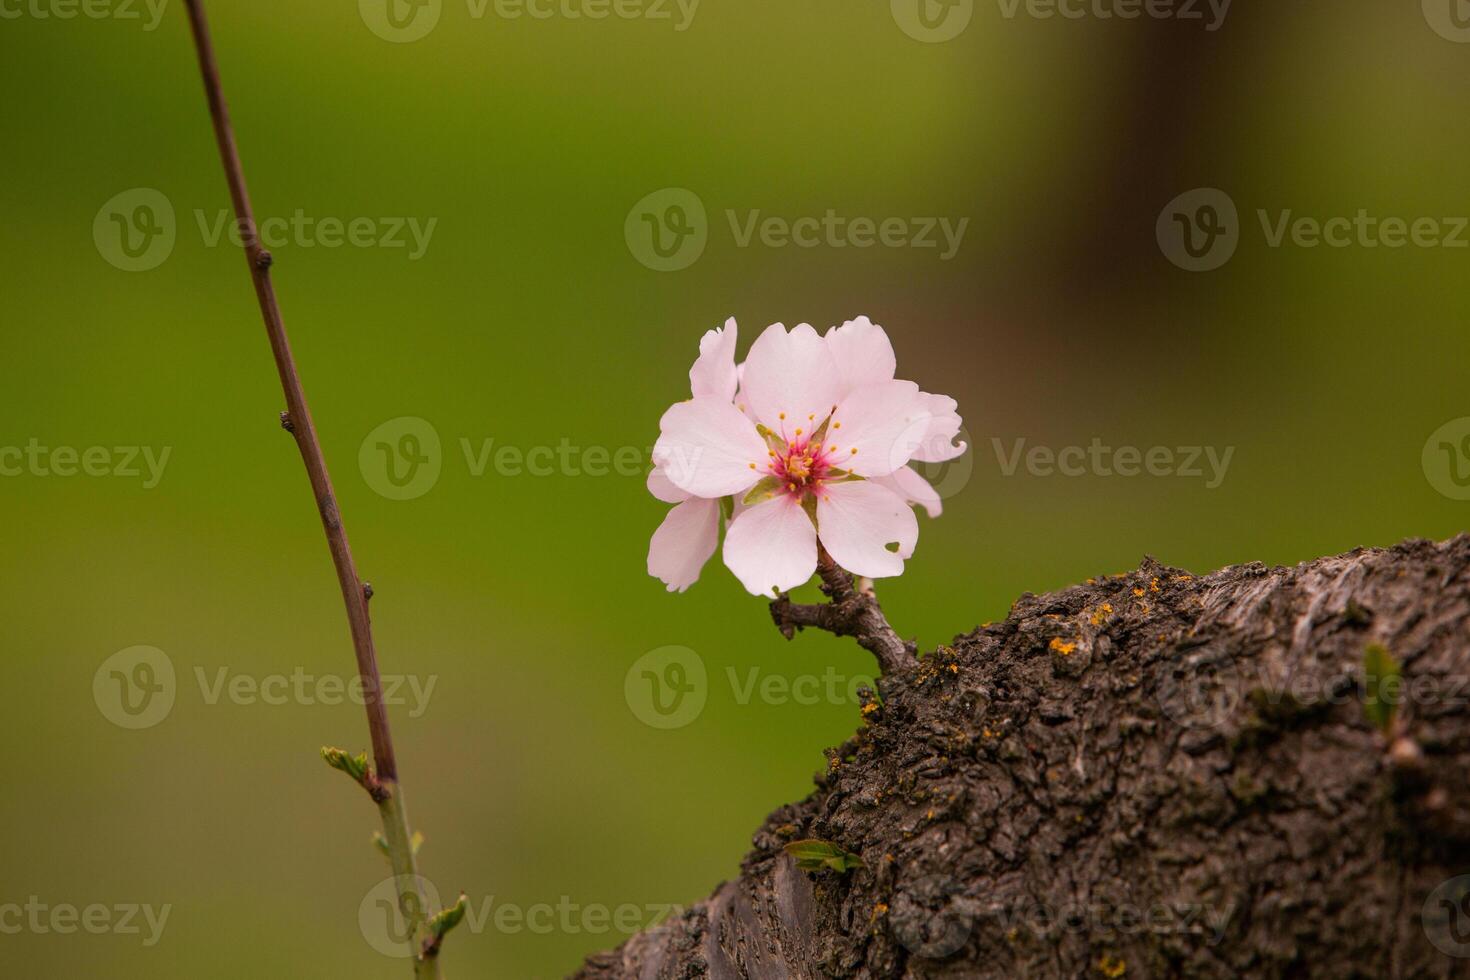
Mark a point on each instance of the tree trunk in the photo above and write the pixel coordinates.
(1149, 775)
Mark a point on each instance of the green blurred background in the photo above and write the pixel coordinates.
(530, 320)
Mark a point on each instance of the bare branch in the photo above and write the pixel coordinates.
(382, 779)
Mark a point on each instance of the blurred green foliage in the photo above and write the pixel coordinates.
(528, 321)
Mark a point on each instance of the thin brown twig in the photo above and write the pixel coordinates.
(297, 420)
(854, 611)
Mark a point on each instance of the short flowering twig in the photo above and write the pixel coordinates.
(854, 611)
(801, 454)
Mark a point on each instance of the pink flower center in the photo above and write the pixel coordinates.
(801, 467)
(802, 463)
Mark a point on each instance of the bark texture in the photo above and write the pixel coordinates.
(1148, 775)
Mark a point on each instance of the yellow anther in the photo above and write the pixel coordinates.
(782, 415)
(798, 432)
(836, 425)
(854, 450)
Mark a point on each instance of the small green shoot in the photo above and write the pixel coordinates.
(444, 921)
(819, 855)
(1381, 679)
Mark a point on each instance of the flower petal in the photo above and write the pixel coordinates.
(791, 375)
(862, 352)
(713, 375)
(684, 542)
(858, 520)
(772, 547)
(706, 447)
(938, 444)
(877, 428)
(909, 484)
(663, 488)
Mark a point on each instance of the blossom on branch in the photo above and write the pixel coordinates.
(808, 440)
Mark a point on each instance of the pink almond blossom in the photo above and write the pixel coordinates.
(808, 440)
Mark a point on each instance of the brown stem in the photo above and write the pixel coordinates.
(297, 418)
(383, 783)
(854, 611)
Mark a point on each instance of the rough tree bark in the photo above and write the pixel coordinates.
(1148, 775)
